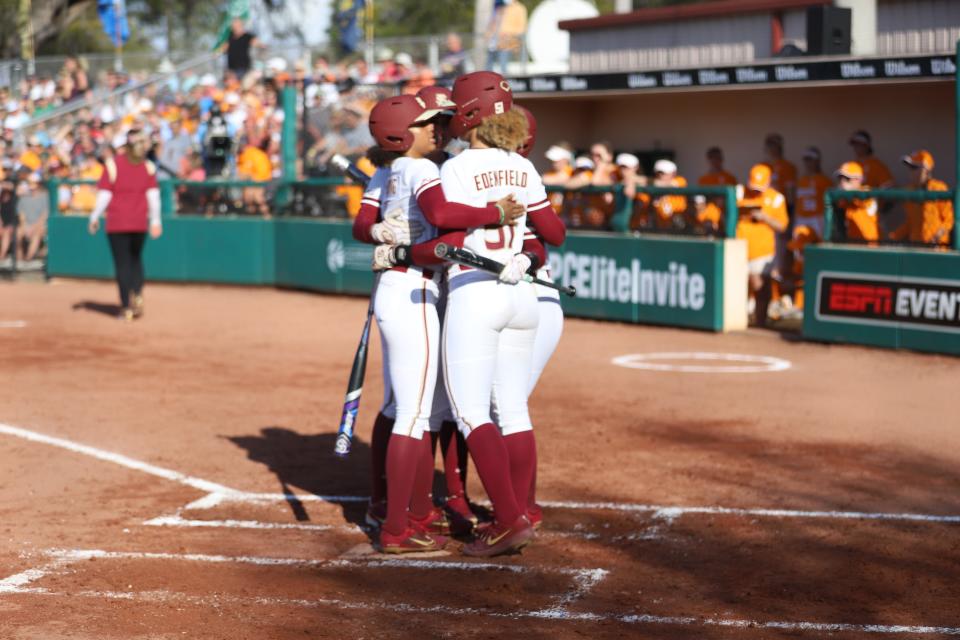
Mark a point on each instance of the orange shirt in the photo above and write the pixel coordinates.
(666, 207)
(810, 190)
(254, 164)
(711, 211)
(875, 173)
(557, 177)
(926, 219)
(783, 176)
(760, 236)
(861, 218)
(30, 159)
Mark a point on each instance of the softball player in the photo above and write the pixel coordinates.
(546, 227)
(405, 302)
(491, 322)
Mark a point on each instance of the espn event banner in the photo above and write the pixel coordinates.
(900, 68)
(904, 302)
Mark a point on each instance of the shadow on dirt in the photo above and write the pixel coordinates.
(111, 310)
(307, 463)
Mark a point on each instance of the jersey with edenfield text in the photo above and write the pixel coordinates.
(409, 177)
(478, 177)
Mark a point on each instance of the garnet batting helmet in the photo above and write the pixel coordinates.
(527, 146)
(391, 119)
(479, 95)
(438, 97)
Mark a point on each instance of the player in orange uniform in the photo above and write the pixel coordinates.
(876, 175)
(811, 187)
(709, 211)
(783, 173)
(928, 222)
(669, 211)
(763, 214)
(860, 214)
(560, 156)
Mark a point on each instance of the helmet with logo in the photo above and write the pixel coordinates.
(437, 97)
(479, 95)
(527, 145)
(391, 119)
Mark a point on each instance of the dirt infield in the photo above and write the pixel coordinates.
(175, 478)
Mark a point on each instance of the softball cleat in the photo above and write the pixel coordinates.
(498, 539)
(411, 540)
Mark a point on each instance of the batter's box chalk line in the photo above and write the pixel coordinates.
(216, 494)
(584, 580)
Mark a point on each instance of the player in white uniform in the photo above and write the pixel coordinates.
(543, 225)
(405, 302)
(491, 322)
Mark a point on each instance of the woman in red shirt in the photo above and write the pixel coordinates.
(129, 195)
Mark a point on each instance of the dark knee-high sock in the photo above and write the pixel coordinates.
(490, 455)
(421, 502)
(454, 450)
(522, 448)
(403, 456)
(382, 427)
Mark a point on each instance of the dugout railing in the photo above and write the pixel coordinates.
(889, 294)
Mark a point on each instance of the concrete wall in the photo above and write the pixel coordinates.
(900, 117)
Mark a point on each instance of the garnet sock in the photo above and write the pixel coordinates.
(490, 455)
(454, 449)
(382, 427)
(522, 448)
(403, 457)
(421, 503)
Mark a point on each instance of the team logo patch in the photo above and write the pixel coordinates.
(505, 85)
(498, 107)
(336, 257)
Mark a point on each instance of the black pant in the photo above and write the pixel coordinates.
(127, 249)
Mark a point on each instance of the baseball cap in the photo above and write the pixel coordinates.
(627, 160)
(760, 176)
(774, 138)
(849, 170)
(664, 166)
(556, 153)
(404, 58)
(919, 158)
(860, 137)
(811, 153)
(583, 162)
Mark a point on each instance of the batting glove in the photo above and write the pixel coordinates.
(515, 269)
(387, 256)
(395, 230)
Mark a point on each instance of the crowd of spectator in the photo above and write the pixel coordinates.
(779, 210)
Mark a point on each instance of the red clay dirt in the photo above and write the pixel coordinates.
(243, 387)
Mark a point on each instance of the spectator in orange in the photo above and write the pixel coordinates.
(931, 221)
(860, 213)
(876, 175)
(762, 215)
(783, 172)
(84, 197)
(560, 156)
(575, 202)
(811, 187)
(803, 236)
(628, 168)
(709, 210)
(254, 164)
(597, 206)
(31, 157)
(669, 211)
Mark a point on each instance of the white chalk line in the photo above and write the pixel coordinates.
(116, 458)
(218, 601)
(13, 324)
(661, 512)
(18, 582)
(754, 364)
(219, 493)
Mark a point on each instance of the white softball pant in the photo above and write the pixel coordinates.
(488, 338)
(405, 306)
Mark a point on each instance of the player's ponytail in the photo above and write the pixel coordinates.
(504, 130)
(382, 158)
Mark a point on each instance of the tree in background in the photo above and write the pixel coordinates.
(187, 25)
